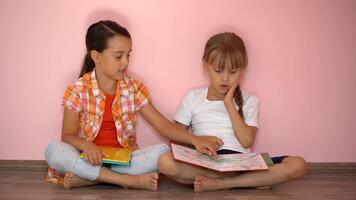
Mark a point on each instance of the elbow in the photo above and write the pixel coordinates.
(249, 140)
(63, 138)
(247, 143)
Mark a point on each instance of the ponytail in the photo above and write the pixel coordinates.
(88, 65)
(239, 101)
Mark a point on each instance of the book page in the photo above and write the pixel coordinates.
(227, 162)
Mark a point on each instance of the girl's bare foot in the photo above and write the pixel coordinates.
(146, 181)
(73, 181)
(202, 183)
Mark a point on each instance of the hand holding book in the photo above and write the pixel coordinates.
(92, 153)
(113, 155)
(208, 145)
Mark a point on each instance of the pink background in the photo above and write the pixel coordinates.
(302, 66)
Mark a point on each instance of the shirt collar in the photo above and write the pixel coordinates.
(122, 85)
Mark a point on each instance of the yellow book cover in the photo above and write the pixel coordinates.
(117, 155)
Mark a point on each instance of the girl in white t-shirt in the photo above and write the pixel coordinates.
(224, 111)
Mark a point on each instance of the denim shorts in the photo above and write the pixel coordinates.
(277, 159)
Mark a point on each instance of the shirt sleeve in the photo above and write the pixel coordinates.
(71, 99)
(142, 96)
(251, 110)
(185, 112)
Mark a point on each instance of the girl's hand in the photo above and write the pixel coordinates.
(93, 154)
(208, 145)
(230, 94)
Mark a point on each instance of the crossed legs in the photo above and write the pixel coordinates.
(205, 180)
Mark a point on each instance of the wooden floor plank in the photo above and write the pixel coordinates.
(326, 181)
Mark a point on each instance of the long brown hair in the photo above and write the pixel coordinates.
(227, 50)
(96, 39)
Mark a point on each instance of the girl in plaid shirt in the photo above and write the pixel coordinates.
(100, 109)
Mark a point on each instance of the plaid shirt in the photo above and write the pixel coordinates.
(85, 98)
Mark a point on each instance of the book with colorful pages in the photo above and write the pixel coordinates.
(223, 163)
(118, 156)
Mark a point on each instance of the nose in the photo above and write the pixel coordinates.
(225, 76)
(125, 61)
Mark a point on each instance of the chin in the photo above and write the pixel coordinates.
(118, 77)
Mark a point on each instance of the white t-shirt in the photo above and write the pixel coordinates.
(211, 117)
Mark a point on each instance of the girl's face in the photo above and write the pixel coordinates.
(113, 61)
(222, 79)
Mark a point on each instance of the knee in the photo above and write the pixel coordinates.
(159, 150)
(167, 164)
(162, 149)
(50, 150)
(298, 167)
(59, 155)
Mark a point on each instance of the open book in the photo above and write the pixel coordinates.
(224, 163)
(120, 156)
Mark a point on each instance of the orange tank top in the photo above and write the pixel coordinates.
(107, 135)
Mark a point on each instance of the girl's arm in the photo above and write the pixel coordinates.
(207, 145)
(70, 127)
(182, 126)
(244, 133)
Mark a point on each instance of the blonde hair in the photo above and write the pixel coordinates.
(227, 50)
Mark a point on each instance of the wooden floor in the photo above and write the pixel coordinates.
(25, 180)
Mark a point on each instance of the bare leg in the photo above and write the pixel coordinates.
(73, 181)
(185, 173)
(146, 181)
(291, 168)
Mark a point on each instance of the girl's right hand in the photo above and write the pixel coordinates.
(208, 145)
(92, 153)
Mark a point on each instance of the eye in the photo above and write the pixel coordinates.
(118, 57)
(233, 71)
(217, 70)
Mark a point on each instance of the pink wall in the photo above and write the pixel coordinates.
(302, 66)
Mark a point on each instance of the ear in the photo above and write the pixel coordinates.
(95, 55)
(205, 65)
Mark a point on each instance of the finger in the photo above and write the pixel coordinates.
(100, 157)
(233, 88)
(91, 159)
(96, 158)
(220, 142)
(214, 154)
(204, 151)
(235, 85)
(105, 154)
